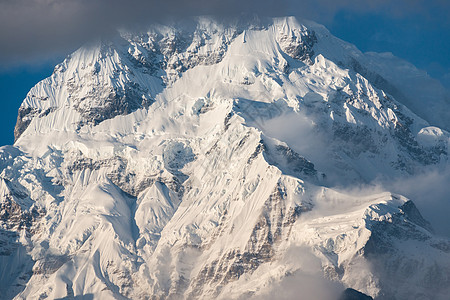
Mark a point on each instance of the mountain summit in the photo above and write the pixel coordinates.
(202, 160)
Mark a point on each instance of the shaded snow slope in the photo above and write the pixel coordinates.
(192, 161)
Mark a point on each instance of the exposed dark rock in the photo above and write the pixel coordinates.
(376, 79)
(117, 173)
(259, 149)
(351, 294)
(47, 111)
(50, 264)
(226, 122)
(391, 265)
(118, 102)
(12, 214)
(26, 115)
(299, 44)
(176, 155)
(275, 220)
(413, 214)
(360, 138)
(160, 50)
(408, 224)
(14, 275)
(442, 245)
(403, 135)
(289, 161)
(127, 181)
(24, 118)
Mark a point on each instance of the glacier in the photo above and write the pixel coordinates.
(208, 159)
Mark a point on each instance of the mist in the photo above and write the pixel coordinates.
(428, 188)
(307, 282)
(35, 30)
(430, 191)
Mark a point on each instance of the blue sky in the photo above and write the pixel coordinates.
(14, 86)
(418, 31)
(423, 42)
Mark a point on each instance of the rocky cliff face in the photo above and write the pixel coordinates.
(190, 162)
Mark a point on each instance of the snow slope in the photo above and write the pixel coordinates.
(191, 161)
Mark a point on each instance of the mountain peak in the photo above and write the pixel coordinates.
(194, 160)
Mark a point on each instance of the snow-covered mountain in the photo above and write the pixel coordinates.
(208, 160)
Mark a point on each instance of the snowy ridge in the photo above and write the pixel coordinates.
(191, 161)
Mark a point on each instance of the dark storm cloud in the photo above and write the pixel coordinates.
(30, 29)
(36, 29)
